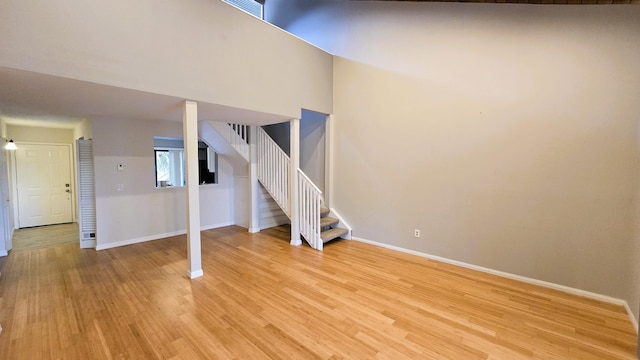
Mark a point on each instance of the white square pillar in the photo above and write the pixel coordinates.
(294, 150)
(190, 131)
(254, 217)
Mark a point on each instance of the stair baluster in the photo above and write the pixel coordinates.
(310, 200)
(273, 170)
(239, 139)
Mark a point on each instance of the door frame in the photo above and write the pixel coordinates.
(14, 180)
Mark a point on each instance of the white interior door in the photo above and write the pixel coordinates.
(43, 179)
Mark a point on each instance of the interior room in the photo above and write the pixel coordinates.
(385, 179)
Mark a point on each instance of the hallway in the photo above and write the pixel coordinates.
(45, 236)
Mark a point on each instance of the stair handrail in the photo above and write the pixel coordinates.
(239, 138)
(273, 167)
(309, 204)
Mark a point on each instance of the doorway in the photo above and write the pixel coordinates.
(43, 181)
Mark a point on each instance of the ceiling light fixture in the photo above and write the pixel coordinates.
(11, 145)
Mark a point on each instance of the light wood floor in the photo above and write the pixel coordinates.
(262, 298)
(45, 236)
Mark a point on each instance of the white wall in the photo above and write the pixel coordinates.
(206, 51)
(141, 212)
(6, 221)
(242, 200)
(507, 133)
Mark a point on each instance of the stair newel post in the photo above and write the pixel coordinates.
(328, 161)
(254, 218)
(293, 181)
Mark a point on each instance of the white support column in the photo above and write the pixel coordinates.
(254, 217)
(190, 131)
(328, 161)
(293, 177)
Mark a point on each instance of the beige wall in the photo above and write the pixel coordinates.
(507, 134)
(40, 134)
(83, 129)
(206, 51)
(140, 211)
(3, 128)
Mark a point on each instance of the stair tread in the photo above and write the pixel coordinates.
(328, 221)
(324, 211)
(331, 234)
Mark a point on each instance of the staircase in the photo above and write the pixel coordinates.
(328, 226)
(227, 142)
(274, 166)
(318, 224)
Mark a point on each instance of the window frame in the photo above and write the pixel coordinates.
(238, 6)
(177, 170)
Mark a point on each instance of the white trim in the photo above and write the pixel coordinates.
(156, 237)
(546, 284)
(4, 253)
(342, 223)
(87, 244)
(215, 226)
(634, 321)
(139, 240)
(195, 274)
(254, 230)
(328, 160)
(13, 183)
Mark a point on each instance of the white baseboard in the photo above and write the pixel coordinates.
(4, 253)
(254, 230)
(550, 285)
(155, 237)
(634, 321)
(87, 244)
(215, 226)
(195, 274)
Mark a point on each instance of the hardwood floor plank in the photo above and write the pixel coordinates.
(262, 298)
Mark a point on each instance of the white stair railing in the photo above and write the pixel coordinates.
(309, 203)
(274, 167)
(239, 139)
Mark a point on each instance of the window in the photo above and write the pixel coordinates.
(253, 7)
(169, 167)
(169, 163)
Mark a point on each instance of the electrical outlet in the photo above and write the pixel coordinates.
(416, 233)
